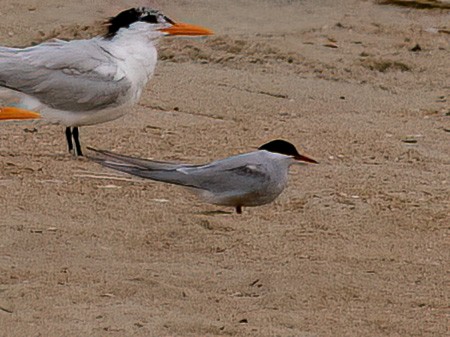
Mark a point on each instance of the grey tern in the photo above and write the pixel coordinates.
(250, 179)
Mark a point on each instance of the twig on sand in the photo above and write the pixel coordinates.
(92, 176)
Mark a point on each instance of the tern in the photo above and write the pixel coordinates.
(86, 82)
(250, 179)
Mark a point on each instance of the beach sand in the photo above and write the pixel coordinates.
(355, 246)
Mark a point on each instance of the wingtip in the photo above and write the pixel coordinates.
(104, 152)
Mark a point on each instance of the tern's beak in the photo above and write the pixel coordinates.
(11, 113)
(305, 159)
(186, 29)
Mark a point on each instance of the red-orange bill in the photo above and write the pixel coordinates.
(186, 29)
(305, 159)
(12, 113)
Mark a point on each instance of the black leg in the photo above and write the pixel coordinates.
(76, 138)
(69, 138)
(239, 209)
(72, 134)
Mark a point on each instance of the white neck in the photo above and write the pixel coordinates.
(135, 53)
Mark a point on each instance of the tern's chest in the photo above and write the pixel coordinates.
(136, 62)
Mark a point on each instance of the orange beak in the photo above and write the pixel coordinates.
(11, 113)
(305, 158)
(187, 30)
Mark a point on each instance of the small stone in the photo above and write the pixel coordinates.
(416, 48)
(331, 45)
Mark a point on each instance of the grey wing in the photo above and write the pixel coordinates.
(219, 179)
(216, 177)
(73, 75)
(144, 168)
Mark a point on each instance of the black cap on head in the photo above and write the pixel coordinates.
(286, 148)
(126, 18)
(280, 146)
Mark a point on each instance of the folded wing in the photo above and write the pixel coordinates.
(223, 176)
(59, 74)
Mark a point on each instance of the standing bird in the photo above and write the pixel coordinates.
(249, 179)
(86, 82)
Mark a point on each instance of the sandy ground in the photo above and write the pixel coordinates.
(356, 246)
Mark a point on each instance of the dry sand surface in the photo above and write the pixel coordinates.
(355, 246)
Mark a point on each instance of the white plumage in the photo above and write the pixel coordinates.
(86, 82)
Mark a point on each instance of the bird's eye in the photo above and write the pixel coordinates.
(150, 18)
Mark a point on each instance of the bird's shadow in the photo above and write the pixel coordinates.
(216, 212)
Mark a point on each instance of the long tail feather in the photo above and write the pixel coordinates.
(143, 163)
(144, 168)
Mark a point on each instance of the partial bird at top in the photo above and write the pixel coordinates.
(249, 179)
(86, 82)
